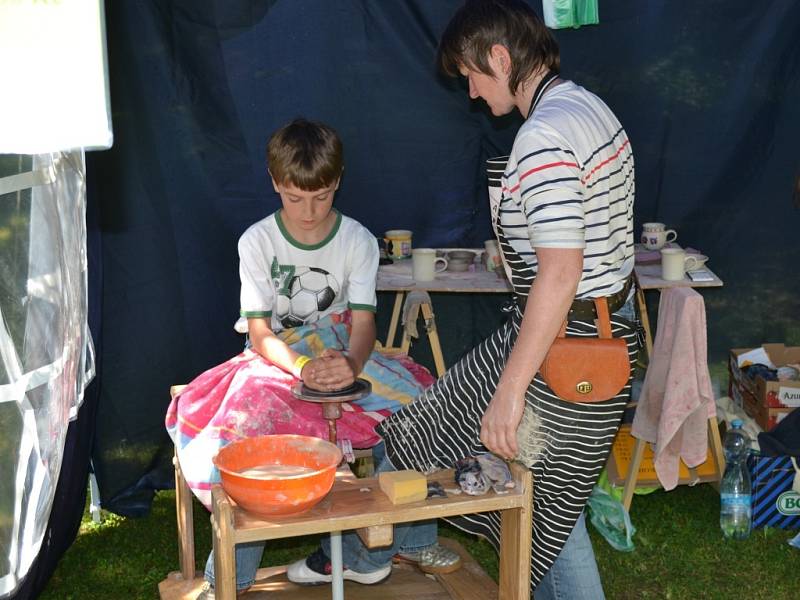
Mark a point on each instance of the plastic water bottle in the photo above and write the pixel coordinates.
(736, 514)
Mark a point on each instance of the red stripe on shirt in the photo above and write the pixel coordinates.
(605, 162)
(539, 168)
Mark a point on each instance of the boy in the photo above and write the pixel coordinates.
(297, 266)
(307, 260)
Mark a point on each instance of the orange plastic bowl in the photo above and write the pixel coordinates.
(273, 494)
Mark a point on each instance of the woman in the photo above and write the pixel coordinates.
(563, 213)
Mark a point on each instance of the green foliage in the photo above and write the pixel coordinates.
(680, 554)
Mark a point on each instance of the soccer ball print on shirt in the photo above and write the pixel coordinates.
(302, 293)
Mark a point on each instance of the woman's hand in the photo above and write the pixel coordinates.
(333, 370)
(500, 422)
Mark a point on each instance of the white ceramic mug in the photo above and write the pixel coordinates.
(493, 259)
(675, 262)
(423, 264)
(655, 236)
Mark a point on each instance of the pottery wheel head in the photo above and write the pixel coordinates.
(360, 389)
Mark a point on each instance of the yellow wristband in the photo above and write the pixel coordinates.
(301, 361)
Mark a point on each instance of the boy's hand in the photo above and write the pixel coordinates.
(331, 371)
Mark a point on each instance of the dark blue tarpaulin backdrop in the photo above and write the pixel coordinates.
(708, 92)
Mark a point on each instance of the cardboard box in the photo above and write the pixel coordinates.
(772, 394)
(762, 414)
(774, 502)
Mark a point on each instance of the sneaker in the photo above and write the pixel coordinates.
(436, 559)
(316, 570)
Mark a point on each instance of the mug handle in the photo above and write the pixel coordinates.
(444, 260)
(673, 232)
(690, 262)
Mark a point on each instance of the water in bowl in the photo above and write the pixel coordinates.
(275, 471)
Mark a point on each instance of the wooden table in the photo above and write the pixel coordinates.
(359, 504)
(648, 277)
(397, 277)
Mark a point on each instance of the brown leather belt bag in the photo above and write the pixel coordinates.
(587, 369)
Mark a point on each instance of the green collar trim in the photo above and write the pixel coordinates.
(302, 246)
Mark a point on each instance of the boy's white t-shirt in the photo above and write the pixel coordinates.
(294, 284)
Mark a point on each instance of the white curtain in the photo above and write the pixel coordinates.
(46, 352)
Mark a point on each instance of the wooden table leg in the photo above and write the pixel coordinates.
(184, 512)
(716, 447)
(224, 554)
(633, 473)
(413, 314)
(648, 334)
(515, 543)
(398, 305)
(433, 338)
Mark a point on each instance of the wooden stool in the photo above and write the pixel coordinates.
(359, 504)
(374, 528)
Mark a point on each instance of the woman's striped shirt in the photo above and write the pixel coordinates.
(569, 183)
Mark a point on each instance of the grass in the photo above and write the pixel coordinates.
(680, 554)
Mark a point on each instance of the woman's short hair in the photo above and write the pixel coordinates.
(307, 154)
(480, 24)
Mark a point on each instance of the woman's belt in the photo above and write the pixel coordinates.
(583, 310)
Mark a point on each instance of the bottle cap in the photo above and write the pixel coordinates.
(736, 423)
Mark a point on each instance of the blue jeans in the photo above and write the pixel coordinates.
(409, 537)
(574, 574)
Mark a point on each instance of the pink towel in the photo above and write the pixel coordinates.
(677, 400)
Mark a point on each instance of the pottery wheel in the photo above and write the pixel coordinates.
(332, 401)
(360, 389)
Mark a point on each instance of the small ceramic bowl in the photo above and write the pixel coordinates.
(460, 260)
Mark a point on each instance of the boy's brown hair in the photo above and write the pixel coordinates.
(306, 154)
(480, 24)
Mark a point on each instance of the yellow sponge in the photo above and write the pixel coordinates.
(403, 486)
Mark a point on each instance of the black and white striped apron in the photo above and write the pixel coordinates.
(444, 424)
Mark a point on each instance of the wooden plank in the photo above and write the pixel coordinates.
(377, 536)
(356, 503)
(175, 587)
(406, 583)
